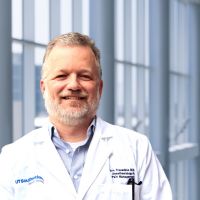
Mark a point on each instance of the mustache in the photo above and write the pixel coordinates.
(74, 94)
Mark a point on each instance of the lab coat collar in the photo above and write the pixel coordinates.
(99, 151)
(48, 158)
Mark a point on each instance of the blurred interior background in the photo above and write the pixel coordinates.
(151, 67)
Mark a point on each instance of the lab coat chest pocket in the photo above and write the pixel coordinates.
(30, 192)
(114, 192)
(118, 192)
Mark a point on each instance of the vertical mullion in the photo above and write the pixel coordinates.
(29, 68)
(102, 31)
(159, 79)
(119, 72)
(54, 15)
(77, 15)
(5, 74)
(128, 68)
(194, 97)
(141, 60)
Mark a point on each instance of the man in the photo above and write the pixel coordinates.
(77, 155)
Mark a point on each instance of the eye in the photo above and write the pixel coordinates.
(60, 76)
(85, 77)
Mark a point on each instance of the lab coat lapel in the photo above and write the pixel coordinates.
(48, 158)
(98, 153)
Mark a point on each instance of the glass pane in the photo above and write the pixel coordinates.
(131, 51)
(134, 29)
(179, 37)
(17, 71)
(42, 21)
(179, 110)
(39, 107)
(179, 177)
(17, 19)
(119, 30)
(66, 16)
(85, 17)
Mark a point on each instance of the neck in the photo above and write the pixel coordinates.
(72, 132)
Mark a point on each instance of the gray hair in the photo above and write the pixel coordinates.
(72, 39)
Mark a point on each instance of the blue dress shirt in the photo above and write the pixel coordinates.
(73, 155)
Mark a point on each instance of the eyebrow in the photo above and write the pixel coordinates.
(81, 71)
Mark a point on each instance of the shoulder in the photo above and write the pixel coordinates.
(125, 138)
(22, 146)
(120, 132)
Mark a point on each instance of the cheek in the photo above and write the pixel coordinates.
(55, 89)
(94, 92)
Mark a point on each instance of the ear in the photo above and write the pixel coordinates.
(42, 86)
(100, 87)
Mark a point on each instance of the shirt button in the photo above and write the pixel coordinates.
(76, 177)
(67, 151)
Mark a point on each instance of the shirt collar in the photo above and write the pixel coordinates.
(90, 131)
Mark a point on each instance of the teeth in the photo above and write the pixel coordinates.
(76, 98)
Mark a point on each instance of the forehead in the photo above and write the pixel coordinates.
(71, 54)
(71, 58)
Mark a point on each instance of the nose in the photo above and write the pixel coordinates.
(72, 82)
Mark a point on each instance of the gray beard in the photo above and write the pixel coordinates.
(70, 116)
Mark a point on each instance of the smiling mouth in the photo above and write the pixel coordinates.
(73, 98)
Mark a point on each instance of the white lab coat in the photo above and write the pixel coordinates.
(31, 168)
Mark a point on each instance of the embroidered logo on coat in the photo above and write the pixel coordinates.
(30, 180)
(122, 173)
